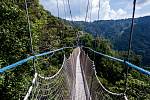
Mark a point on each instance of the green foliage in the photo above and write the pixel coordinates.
(112, 73)
(48, 33)
(118, 32)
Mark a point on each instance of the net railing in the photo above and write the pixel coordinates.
(60, 86)
(48, 88)
(111, 73)
(94, 88)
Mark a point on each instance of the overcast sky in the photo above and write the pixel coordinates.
(109, 9)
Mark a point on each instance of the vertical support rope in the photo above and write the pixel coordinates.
(70, 10)
(64, 8)
(57, 8)
(77, 35)
(91, 6)
(58, 28)
(29, 28)
(130, 43)
(29, 25)
(99, 9)
(87, 9)
(132, 27)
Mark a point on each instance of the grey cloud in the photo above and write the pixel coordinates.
(142, 2)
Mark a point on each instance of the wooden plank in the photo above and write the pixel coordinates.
(79, 87)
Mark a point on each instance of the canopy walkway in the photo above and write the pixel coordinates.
(76, 79)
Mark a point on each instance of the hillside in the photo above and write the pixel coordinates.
(48, 33)
(118, 31)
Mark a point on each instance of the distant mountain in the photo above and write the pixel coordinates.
(118, 32)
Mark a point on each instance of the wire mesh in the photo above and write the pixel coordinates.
(59, 86)
(95, 89)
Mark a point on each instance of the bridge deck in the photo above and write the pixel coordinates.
(80, 90)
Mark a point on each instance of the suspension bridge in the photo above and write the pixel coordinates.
(77, 78)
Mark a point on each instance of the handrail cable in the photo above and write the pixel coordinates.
(146, 72)
(95, 73)
(46, 78)
(2, 70)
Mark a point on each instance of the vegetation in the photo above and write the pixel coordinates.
(117, 31)
(48, 33)
(113, 74)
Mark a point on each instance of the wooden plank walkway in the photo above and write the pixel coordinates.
(79, 87)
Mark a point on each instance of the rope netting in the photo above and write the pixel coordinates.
(60, 86)
(94, 88)
(48, 88)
